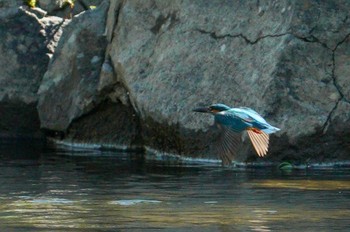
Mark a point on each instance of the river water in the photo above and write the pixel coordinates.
(52, 189)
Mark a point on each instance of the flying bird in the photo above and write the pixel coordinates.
(234, 121)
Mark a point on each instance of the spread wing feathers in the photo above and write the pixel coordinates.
(228, 146)
(260, 142)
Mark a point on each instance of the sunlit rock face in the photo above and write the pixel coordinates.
(27, 40)
(69, 87)
(80, 96)
(281, 58)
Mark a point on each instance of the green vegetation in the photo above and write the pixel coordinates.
(285, 166)
(30, 3)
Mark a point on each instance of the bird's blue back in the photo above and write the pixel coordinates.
(239, 119)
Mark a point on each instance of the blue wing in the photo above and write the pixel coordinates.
(248, 114)
(231, 121)
(255, 119)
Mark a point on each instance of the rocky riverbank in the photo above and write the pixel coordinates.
(129, 73)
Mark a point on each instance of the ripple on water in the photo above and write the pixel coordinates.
(51, 201)
(134, 202)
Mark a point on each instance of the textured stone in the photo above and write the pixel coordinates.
(10, 3)
(69, 87)
(147, 56)
(26, 42)
(304, 93)
(342, 68)
(273, 56)
(340, 119)
(326, 22)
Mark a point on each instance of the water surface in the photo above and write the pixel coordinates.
(50, 189)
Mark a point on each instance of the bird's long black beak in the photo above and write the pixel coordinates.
(202, 110)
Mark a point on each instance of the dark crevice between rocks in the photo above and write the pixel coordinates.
(61, 10)
(173, 139)
(19, 120)
(84, 5)
(116, 20)
(110, 124)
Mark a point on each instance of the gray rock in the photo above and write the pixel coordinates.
(24, 58)
(341, 68)
(324, 22)
(340, 118)
(69, 87)
(10, 3)
(81, 95)
(276, 57)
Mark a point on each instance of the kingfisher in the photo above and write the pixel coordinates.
(232, 123)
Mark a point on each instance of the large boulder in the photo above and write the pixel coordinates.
(26, 44)
(70, 83)
(80, 96)
(278, 57)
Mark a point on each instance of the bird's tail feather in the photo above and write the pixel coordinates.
(260, 142)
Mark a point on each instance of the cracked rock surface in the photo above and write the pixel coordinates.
(282, 58)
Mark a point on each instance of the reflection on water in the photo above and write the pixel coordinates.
(45, 189)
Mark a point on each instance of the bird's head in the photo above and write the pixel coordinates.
(215, 108)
